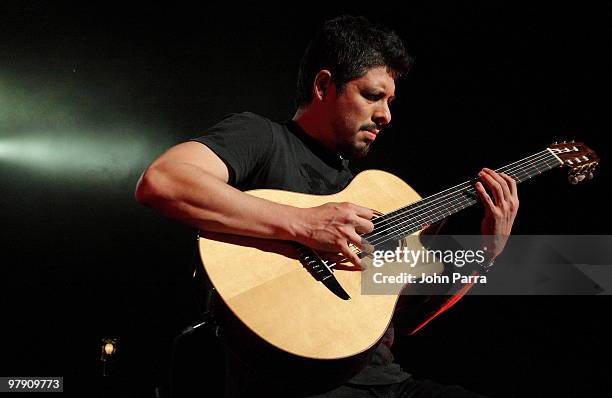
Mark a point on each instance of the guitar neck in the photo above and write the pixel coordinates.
(434, 208)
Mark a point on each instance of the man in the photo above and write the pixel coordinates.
(346, 83)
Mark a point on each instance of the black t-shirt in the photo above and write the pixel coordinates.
(260, 153)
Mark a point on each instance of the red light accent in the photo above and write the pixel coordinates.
(452, 301)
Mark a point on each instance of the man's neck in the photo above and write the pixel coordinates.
(310, 122)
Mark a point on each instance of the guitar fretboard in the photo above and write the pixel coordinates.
(409, 219)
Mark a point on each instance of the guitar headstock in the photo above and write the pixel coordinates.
(579, 158)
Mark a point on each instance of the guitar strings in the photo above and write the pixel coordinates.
(452, 201)
(456, 189)
(448, 201)
(428, 200)
(408, 214)
(431, 202)
(517, 168)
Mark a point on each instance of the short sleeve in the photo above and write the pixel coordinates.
(243, 142)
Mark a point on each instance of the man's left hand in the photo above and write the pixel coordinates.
(500, 211)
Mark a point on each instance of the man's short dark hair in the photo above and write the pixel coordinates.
(348, 47)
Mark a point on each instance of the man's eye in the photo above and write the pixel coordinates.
(372, 97)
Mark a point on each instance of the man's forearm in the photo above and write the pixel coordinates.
(191, 195)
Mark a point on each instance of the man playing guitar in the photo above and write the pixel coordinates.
(346, 84)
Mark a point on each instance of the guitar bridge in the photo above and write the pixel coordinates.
(321, 270)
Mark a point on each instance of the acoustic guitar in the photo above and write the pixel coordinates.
(309, 304)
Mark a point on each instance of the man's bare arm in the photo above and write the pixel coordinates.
(190, 183)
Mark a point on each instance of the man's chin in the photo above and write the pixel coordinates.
(356, 151)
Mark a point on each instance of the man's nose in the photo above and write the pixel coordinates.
(382, 115)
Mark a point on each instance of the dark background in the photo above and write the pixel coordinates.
(82, 261)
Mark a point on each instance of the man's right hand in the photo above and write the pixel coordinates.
(333, 226)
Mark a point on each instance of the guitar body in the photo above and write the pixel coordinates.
(265, 286)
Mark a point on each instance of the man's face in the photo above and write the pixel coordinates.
(361, 110)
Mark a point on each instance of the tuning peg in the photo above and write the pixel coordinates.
(575, 179)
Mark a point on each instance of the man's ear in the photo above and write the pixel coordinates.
(322, 84)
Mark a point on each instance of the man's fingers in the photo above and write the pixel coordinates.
(354, 238)
(350, 255)
(363, 226)
(493, 185)
(484, 196)
(511, 184)
(363, 212)
(502, 183)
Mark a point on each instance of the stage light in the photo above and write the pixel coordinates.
(109, 348)
(72, 132)
(100, 156)
(4, 149)
(108, 351)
